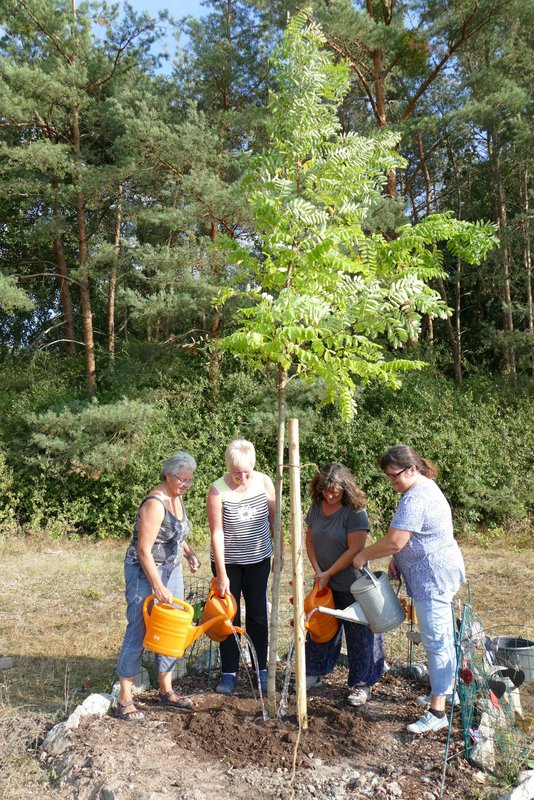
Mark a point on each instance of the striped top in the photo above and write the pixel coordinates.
(246, 523)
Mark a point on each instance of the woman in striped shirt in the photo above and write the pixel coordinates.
(240, 511)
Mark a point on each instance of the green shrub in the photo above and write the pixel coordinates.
(66, 465)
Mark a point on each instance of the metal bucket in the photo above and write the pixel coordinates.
(514, 651)
(378, 601)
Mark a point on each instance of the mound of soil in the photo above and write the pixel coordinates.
(224, 748)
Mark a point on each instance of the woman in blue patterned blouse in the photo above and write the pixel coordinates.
(420, 539)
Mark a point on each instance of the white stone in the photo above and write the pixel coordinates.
(141, 682)
(57, 740)
(96, 705)
(525, 791)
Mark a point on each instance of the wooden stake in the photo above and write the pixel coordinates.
(298, 572)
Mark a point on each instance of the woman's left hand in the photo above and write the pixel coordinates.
(194, 563)
(321, 579)
(358, 561)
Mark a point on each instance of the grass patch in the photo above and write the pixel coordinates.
(62, 614)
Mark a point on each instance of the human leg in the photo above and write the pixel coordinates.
(436, 627)
(137, 590)
(322, 657)
(255, 577)
(172, 577)
(228, 649)
(365, 650)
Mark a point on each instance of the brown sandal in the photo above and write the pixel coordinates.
(128, 716)
(180, 702)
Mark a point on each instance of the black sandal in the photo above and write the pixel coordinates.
(128, 716)
(180, 702)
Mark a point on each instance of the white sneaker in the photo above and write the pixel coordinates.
(424, 699)
(359, 695)
(312, 680)
(428, 722)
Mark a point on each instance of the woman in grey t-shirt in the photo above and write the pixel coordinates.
(336, 529)
(420, 539)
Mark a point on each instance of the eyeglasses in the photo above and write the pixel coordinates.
(186, 482)
(392, 476)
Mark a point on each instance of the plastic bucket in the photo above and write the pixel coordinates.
(378, 601)
(514, 651)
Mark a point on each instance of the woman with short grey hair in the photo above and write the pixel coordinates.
(153, 566)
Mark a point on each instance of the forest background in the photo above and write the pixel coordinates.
(122, 193)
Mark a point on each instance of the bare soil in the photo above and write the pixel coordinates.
(62, 621)
(225, 748)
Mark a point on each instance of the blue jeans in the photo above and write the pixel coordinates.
(137, 590)
(365, 650)
(436, 626)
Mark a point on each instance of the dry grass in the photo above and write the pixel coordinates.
(62, 612)
(62, 621)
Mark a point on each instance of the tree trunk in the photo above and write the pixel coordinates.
(506, 294)
(527, 252)
(298, 573)
(215, 335)
(451, 331)
(380, 102)
(112, 288)
(83, 249)
(69, 344)
(83, 245)
(281, 386)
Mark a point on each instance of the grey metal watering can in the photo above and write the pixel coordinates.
(376, 604)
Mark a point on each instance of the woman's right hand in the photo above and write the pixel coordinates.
(393, 570)
(222, 586)
(163, 595)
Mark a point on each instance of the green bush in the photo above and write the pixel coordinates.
(66, 465)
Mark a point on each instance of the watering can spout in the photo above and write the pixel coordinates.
(376, 604)
(202, 627)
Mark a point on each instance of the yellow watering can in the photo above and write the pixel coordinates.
(214, 607)
(169, 629)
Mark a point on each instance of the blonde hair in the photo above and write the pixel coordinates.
(240, 453)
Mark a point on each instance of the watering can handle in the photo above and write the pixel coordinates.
(370, 575)
(175, 601)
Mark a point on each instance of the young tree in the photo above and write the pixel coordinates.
(326, 293)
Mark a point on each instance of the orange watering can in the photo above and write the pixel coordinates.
(168, 628)
(214, 607)
(321, 627)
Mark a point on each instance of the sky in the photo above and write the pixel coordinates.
(177, 9)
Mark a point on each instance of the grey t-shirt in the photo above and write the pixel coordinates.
(329, 536)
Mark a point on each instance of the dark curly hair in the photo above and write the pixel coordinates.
(339, 476)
